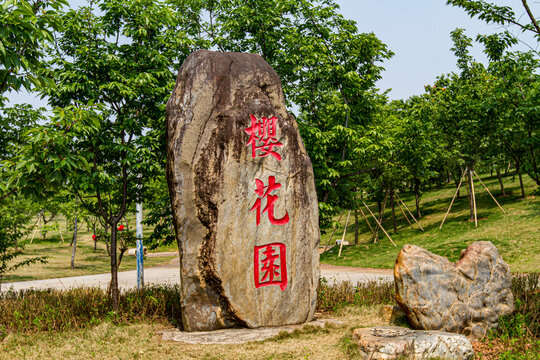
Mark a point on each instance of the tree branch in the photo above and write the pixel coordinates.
(12, 191)
(531, 16)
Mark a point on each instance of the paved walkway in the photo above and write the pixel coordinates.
(170, 274)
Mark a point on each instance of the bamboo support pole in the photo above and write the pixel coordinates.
(344, 232)
(60, 231)
(367, 221)
(34, 232)
(404, 215)
(473, 199)
(489, 192)
(332, 235)
(454, 198)
(410, 213)
(378, 223)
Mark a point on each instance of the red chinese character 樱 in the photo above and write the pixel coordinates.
(272, 269)
(263, 137)
(264, 191)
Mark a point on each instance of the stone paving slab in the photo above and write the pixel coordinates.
(239, 336)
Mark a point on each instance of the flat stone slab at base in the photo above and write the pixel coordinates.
(239, 336)
(391, 342)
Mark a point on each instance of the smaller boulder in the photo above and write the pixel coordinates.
(392, 342)
(467, 297)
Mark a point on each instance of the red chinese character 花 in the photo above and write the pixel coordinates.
(263, 137)
(264, 191)
(270, 265)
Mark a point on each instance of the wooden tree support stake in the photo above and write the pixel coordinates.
(332, 235)
(367, 221)
(35, 228)
(60, 231)
(493, 197)
(404, 215)
(410, 213)
(344, 232)
(379, 224)
(454, 198)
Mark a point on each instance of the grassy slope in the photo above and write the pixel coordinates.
(516, 234)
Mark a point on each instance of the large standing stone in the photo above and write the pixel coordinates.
(243, 196)
(392, 342)
(466, 297)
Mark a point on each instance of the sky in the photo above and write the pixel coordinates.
(417, 31)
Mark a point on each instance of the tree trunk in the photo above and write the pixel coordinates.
(41, 224)
(392, 203)
(457, 180)
(500, 181)
(518, 170)
(470, 194)
(356, 227)
(417, 197)
(16, 238)
(115, 293)
(95, 241)
(535, 176)
(74, 242)
(381, 214)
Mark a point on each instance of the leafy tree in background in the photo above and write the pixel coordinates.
(15, 211)
(114, 61)
(514, 107)
(502, 15)
(12, 227)
(328, 71)
(460, 114)
(24, 28)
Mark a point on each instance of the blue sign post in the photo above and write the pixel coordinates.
(140, 248)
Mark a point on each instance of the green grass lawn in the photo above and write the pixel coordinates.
(516, 234)
(87, 260)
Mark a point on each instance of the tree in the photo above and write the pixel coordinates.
(502, 15)
(24, 28)
(328, 71)
(15, 216)
(514, 105)
(459, 111)
(115, 67)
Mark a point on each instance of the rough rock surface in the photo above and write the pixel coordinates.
(466, 297)
(224, 152)
(240, 336)
(391, 313)
(391, 342)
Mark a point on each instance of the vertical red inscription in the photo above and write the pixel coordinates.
(264, 192)
(263, 137)
(272, 268)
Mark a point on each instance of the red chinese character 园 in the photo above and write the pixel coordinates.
(264, 191)
(263, 137)
(272, 269)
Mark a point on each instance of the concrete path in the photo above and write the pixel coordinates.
(169, 274)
